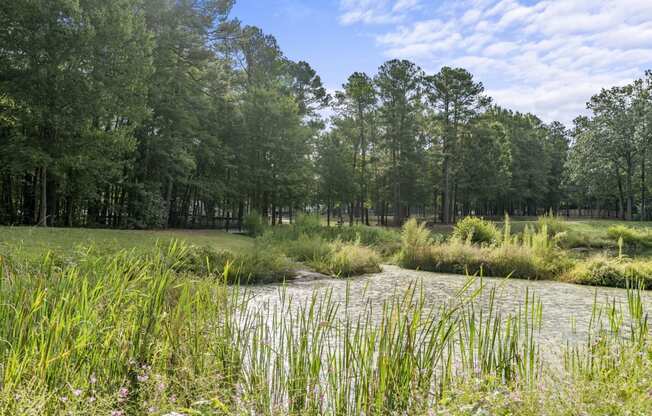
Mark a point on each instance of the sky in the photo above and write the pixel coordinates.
(547, 57)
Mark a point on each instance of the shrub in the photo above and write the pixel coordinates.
(476, 230)
(535, 258)
(601, 270)
(415, 239)
(554, 224)
(630, 236)
(454, 257)
(307, 248)
(575, 239)
(260, 265)
(307, 223)
(385, 241)
(350, 260)
(253, 224)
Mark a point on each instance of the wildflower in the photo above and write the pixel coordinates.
(63, 399)
(142, 378)
(123, 393)
(93, 379)
(117, 413)
(173, 398)
(77, 392)
(174, 414)
(91, 399)
(151, 409)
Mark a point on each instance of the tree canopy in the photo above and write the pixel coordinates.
(167, 113)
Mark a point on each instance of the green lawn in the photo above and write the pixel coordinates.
(37, 241)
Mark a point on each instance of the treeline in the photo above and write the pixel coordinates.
(611, 155)
(148, 113)
(434, 146)
(169, 113)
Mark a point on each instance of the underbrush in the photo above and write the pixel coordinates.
(384, 241)
(533, 255)
(260, 265)
(601, 270)
(346, 260)
(476, 230)
(336, 251)
(632, 238)
(536, 253)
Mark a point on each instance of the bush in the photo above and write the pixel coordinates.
(307, 223)
(307, 248)
(601, 270)
(385, 241)
(576, 239)
(253, 224)
(350, 260)
(260, 265)
(415, 240)
(476, 230)
(553, 224)
(454, 257)
(536, 257)
(631, 237)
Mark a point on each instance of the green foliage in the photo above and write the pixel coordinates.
(534, 256)
(348, 259)
(415, 239)
(632, 237)
(554, 224)
(476, 230)
(307, 248)
(156, 335)
(600, 270)
(307, 223)
(254, 224)
(261, 265)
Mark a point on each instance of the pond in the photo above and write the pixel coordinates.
(567, 308)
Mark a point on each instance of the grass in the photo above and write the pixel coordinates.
(531, 255)
(541, 251)
(134, 333)
(37, 241)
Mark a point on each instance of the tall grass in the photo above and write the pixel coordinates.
(136, 334)
(532, 255)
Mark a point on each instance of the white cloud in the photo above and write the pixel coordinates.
(376, 11)
(548, 57)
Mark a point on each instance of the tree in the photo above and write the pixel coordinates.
(456, 98)
(357, 101)
(57, 58)
(399, 85)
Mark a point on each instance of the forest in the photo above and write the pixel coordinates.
(159, 113)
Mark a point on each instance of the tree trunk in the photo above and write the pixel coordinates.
(43, 209)
(328, 213)
(643, 204)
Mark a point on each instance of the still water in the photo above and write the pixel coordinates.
(567, 308)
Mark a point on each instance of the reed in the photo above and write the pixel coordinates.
(138, 334)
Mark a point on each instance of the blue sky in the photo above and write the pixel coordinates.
(547, 57)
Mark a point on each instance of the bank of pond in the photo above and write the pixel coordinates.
(550, 248)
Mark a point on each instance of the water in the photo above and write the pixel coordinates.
(567, 308)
